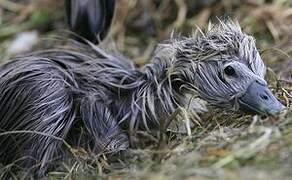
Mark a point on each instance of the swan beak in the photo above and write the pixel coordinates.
(259, 99)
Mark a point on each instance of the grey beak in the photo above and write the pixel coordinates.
(259, 99)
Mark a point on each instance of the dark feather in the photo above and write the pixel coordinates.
(90, 19)
(60, 92)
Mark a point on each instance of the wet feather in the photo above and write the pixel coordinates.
(59, 92)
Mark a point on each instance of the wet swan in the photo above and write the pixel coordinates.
(89, 97)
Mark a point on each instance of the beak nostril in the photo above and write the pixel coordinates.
(264, 97)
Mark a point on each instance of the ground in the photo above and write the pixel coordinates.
(220, 146)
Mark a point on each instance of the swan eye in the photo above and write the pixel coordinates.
(229, 71)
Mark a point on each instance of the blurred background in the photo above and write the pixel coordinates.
(138, 25)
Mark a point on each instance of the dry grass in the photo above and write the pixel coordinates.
(218, 146)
